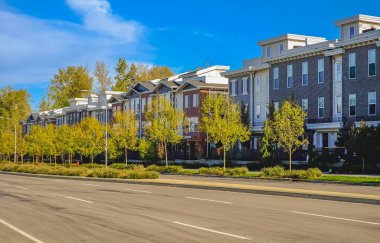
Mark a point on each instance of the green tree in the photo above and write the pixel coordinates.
(163, 124)
(44, 104)
(104, 81)
(121, 77)
(37, 143)
(94, 137)
(66, 143)
(51, 142)
(267, 141)
(124, 132)
(287, 128)
(69, 83)
(221, 119)
(146, 149)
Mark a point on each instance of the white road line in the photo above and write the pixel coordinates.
(212, 231)
(61, 180)
(21, 232)
(19, 187)
(331, 217)
(86, 184)
(135, 190)
(209, 200)
(74, 198)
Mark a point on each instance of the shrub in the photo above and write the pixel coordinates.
(154, 168)
(314, 173)
(211, 171)
(237, 171)
(92, 166)
(172, 169)
(138, 174)
(274, 172)
(297, 174)
(103, 173)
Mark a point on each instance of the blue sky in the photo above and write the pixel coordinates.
(38, 37)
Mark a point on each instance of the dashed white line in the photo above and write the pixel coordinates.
(20, 232)
(86, 184)
(19, 187)
(61, 180)
(135, 190)
(212, 231)
(331, 217)
(208, 200)
(74, 198)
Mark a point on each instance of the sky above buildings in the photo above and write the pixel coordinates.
(38, 37)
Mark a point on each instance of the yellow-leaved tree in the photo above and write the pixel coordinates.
(221, 119)
(288, 128)
(124, 132)
(93, 133)
(163, 123)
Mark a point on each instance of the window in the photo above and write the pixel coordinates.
(352, 31)
(371, 103)
(321, 71)
(289, 80)
(339, 105)
(187, 101)
(245, 86)
(137, 104)
(352, 104)
(233, 87)
(195, 100)
(267, 83)
(258, 84)
(143, 104)
(281, 48)
(258, 111)
(276, 81)
(268, 51)
(352, 65)
(372, 62)
(276, 105)
(305, 106)
(149, 100)
(193, 124)
(305, 73)
(339, 72)
(321, 107)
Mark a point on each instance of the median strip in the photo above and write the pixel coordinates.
(332, 217)
(209, 200)
(21, 232)
(212, 231)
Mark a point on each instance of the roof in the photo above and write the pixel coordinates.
(359, 17)
(170, 84)
(290, 37)
(116, 97)
(199, 84)
(149, 85)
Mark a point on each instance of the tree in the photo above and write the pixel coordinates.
(124, 132)
(164, 123)
(287, 128)
(93, 136)
(146, 149)
(155, 72)
(104, 81)
(44, 104)
(51, 142)
(69, 83)
(221, 119)
(267, 141)
(121, 75)
(66, 142)
(37, 143)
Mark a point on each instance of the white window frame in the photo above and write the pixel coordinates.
(305, 104)
(245, 86)
(338, 107)
(289, 75)
(281, 48)
(233, 87)
(351, 63)
(195, 100)
(305, 73)
(321, 107)
(143, 104)
(349, 31)
(371, 102)
(258, 84)
(371, 60)
(276, 78)
(338, 72)
(276, 105)
(258, 112)
(321, 69)
(268, 51)
(349, 104)
(187, 101)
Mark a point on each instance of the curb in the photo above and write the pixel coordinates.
(330, 196)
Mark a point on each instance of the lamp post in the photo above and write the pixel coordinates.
(106, 120)
(15, 145)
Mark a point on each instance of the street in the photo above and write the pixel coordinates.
(56, 210)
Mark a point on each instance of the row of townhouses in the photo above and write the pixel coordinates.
(334, 81)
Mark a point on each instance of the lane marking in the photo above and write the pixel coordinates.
(61, 180)
(21, 232)
(19, 187)
(212, 231)
(86, 184)
(134, 190)
(331, 217)
(74, 198)
(209, 200)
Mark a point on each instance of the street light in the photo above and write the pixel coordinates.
(106, 110)
(15, 127)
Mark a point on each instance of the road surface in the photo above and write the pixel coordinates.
(55, 210)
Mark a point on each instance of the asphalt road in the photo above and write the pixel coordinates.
(51, 210)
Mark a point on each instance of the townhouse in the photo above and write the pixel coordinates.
(334, 81)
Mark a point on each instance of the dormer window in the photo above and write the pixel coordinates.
(268, 51)
(281, 48)
(352, 31)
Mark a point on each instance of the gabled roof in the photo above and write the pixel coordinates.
(201, 85)
(170, 84)
(116, 98)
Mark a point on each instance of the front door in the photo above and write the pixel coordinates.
(325, 140)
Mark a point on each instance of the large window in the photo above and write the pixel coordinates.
(352, 31)
(352, 104)
(143, 104)
(305, 73)
(268, 51)
(276, 80)
(281, 48)
(321, 107)
(339, 105)
(258, 111)
(305, 106)
(193, 124)
(245, 86)
(258, 84)
(321, 71)
(352, 65)
(289, 81)
(372, 62)
(371, 103)
(338, 71)
(233, 87)
(187, 101)
(276, 105)
(195, 100)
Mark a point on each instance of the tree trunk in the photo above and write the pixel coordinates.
(126, 156)
(166, 154)
(92, 159)
(22, 159)
(50, 158)
(55, 160)
(224, 159)
(363, 164)
(290, 161)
